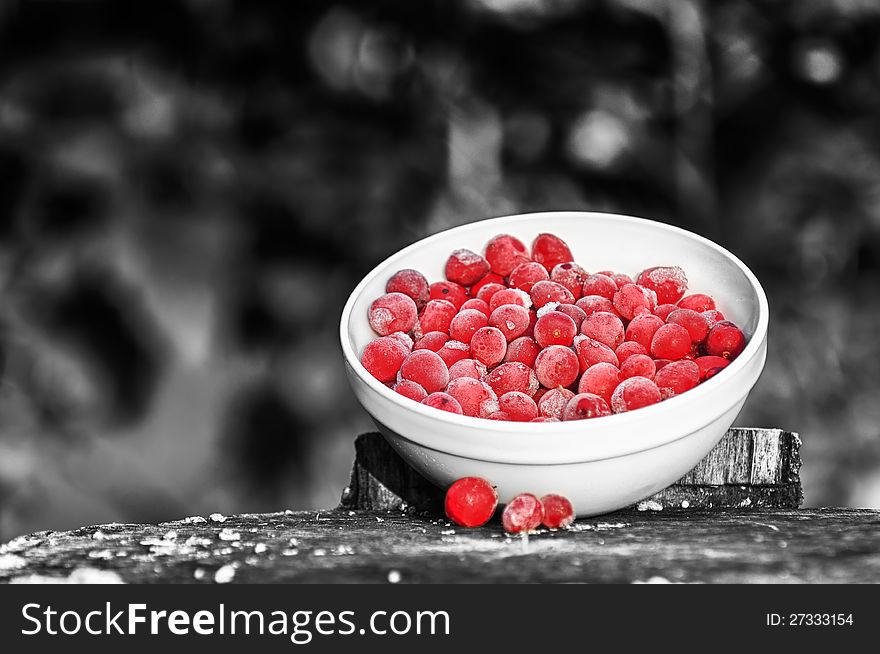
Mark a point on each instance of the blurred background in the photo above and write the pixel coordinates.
(189, 189)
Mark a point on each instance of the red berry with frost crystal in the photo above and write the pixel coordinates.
(634, 393)
(570, 275)
(544, 419)
(549, 250)
(450, 291)
(403, 339)
(478, 305)
(694, 322)
(527, 274)
(604, 327)
(466, 323)
(590, 352)
(453, 351)
(553, 402)
(393, 312)
(558, 512)
(671, 342)
(638, 365)
(468, 368)
(642, 328)
(500, 415)
(600, 379)
(574, 312)
(465, 267)
(444, 402)
(668, 282)
(513, 376)
(710, 366)
(436, 316)
(488, 290)
(712, 317)
(584, 406)
(555, 328)
(488, 346)
(599, 284)
(662, 311)
(533, 318)
(698, 302)
(522, 514)
(470, 502)
(557, 365)
(431, 341)
(547, 291)
(491, 278)
(621, 280)
(518, 406)
(725, 340)
(427, 369)
(524, 350)
(627, 349)
(477, 399)
(510, 296)
(677, 377)
(539, 394)
(504, 253)
(383, 357)
(511, 319)
(632, 300)
(411, 283)
(659, 363)
(410, 389)
(590, 304)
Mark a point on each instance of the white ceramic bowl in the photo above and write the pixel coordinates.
(601, 464)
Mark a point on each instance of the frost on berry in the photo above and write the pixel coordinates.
(383, 357)
(527, 274)
(553, 402)
(694, 322)
(523, 349)
(393, 312)
(698, 302)
(450, 291)
(632, 300)
(590, 352)
(642, 328)
(634, 393)
(476, 398)
(410, 389)
(668, 282)
(522, 514)
(518, 406)
(488, 290)
(585, 405)
(427, 369)
(436, 316)
(556, 328)
(504, 253)
(453, 351)
(465, 267)
(549, 250)
(513, 377)
(488, 346)
(467, 368)
(677, 377)
(548, 291)
(604, 327)
(465, 323)
(638, 365)
(600, 379)
(601, 285)
(590, 304)
(670, 342)
(511, 319)
(491, 278)
(725, 340)
(572, 311)
(444, 402)
(409, 282)
(478, 305)
(571, 276)
(627, 349)
(557, 365)
(558, 511)
(509, 296)
(431, 341)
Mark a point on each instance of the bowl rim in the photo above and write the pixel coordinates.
(750, 352)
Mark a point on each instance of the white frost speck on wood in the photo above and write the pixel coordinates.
(393, 577)
(225, 574)
(227, 534)
(77, 576)
(217, 517)
(649, 505)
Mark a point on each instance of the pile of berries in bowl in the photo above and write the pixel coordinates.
(640, 341)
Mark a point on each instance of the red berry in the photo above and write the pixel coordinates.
(488, 346)
(471, 502)
(697, 302)
(570, 275)
(544, 419)
(491, 278)
(725, 340)
(590, 352)
(478, 305)
(600, 379)
(427, 369)
(556, 365)
(411, 283)
(710, 366)
(634, 393)
(694, 322)
(671, 342)
(601, 285)
(668, 282)
(550, 251)
(518, 406)
(465, 267)
(642, 328)
(466, 323)
(467, 368)
(393, 312)
(510, 296)
(511, 319)
(455, 293)
(659, 363)
(403, 339)
(662, 311)
(712, 317)
(546, 291)
(431, 341)
(574, 312)
(555, 328)
(444, 402)
(677, 377)
(513, 377)
(604, 327)
(436, 316)
(621, 280)
(632, 300)
(638, 365)
(522, 514)
(590, 304)
(383, 357)
(523, 349)
(488, 290)
(627, 349)
(527, 274)
(558, 512)
(410, 389)
(475, 397)
(585, 405)
(552, 404)
(453, 351)
(500, 415)
(504, 253)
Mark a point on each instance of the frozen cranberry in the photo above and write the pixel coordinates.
(491, 278)
(539, 394)
(601, 285)
(632, 300)
(522, 514)
(662, 311)
(427, 369)
(511, 319)
(466, 323)
(519, 406)
(659, 363)
(465, 267)
(436, 316)
(574, 312)
(697, 302)
(383, 357)
(504, 253)
(526, 275)
(510, 296)
(488, 346)
(634, 393)
(600, 379)
(453, 351)
(393, 312)
(513, 377)
(470, 502)
(604, 327)
(523, 349)
(725, 340)
(488, 290)
(590, 352)
(668, 282)
(478, 305)
(553, 402)
(671, 342)
(570, 275)
(403, 339)
(544, 419)
(585, 405)
(431, 341)
(476, 398)
(712, 317)
(555, 328)
(642, 328)
(533, 318)
(550, 251)
(410, 389)
(627, 349)
(546, 291)
(710, 366)
(450, 291)
(500, 415)
(677, 377)
(694, 322)
(558, 512)
(638, 365)
(590, 304)
(411, 283)
(556, 365)
(621, 280)
(444, 402)
(467, 368)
